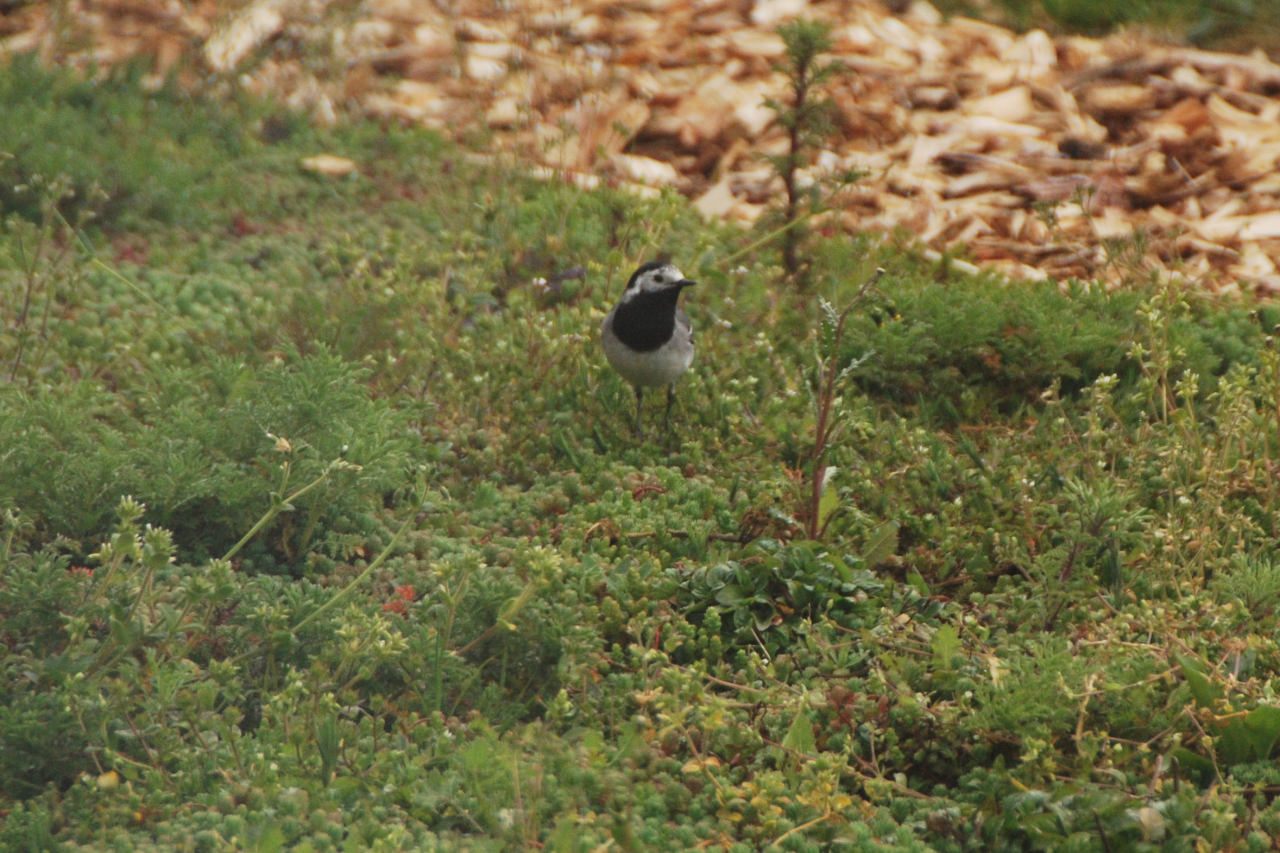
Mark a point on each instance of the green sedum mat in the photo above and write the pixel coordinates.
(323, 528)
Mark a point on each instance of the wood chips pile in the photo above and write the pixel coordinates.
(1038, 156)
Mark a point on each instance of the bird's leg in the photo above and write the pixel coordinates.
(639, 409)
(671, 399)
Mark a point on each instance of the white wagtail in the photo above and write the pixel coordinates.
(647, 338)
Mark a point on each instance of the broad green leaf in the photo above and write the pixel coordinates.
(764, 619)
(882, 543)
(1235, 746)
(1205, 692)
(842, 568)
(800, 735)
(1196, 766)
(827, 505)
(730, 594)
(917, 582)
(1263, 725)
(946, 642)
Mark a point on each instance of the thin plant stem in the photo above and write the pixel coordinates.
(360, 578)
(442, 642)
(116, 274)
(1275, 378)
(276, 509)
(11, 522)
(116, 561)
(826, 401)
(791, 243)
(142, 591)
(439, 671)
(801, 828)
(772, 235)
(778, 232)
(108, 651)
(32, 277)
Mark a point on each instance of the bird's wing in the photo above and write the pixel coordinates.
(683, 324)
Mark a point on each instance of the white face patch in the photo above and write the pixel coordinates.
(659, 279)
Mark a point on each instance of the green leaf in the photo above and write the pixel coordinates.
(764, 620)
(800, 736)
(827, 505)
(731, 594)
(1235, 746)
(917, 582)
(1041, 827)
(328, 743)
(1263, 725)
(1196, 766)
(1205, 692)
(945, 644)
(561, 443)
(882, 543)
(842, 568)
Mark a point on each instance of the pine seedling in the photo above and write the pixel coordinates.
(808, 121)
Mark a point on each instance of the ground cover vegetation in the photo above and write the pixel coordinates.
(1242, 25)
(323, 528)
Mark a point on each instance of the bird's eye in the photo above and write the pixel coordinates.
(658, 279)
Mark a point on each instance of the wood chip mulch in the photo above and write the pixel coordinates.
(1034, 155)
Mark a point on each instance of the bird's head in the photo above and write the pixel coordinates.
(654, 277)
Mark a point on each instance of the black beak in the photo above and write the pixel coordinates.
(684, 282)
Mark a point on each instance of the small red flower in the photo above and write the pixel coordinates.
(400, 605)
(82, 571)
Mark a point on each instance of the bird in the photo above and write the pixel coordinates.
(647, 337)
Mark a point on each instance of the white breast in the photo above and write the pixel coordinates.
(654, 369)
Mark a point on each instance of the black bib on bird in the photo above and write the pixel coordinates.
(647, 320)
